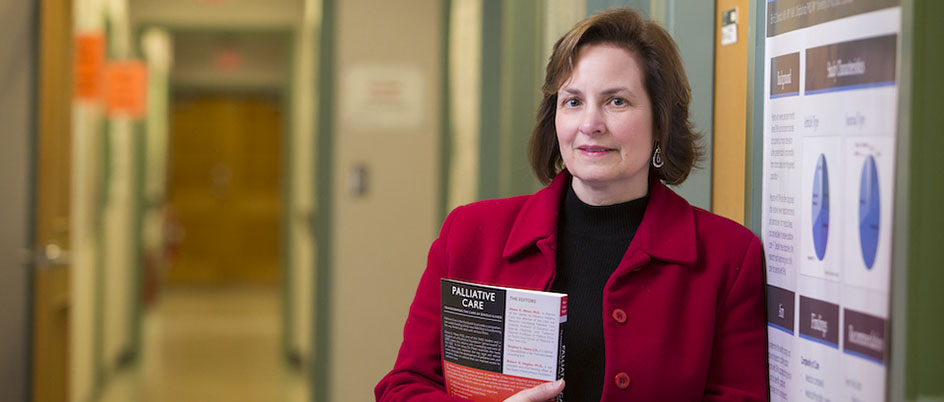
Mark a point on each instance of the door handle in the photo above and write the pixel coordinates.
(307, 219)
(49, 257)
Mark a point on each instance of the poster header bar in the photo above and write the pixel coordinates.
(789, 15)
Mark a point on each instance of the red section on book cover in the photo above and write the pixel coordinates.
(483, 386)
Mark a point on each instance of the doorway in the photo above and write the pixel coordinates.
(214, 331)
(224, 188)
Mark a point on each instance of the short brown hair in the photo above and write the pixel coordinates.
(665, 82)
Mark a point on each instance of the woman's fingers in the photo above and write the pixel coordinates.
(540, 393)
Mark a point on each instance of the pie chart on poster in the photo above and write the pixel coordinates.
(820, 209)
(869, 211)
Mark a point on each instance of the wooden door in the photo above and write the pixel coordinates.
(730, 114)
(224, 188)
(51, 298)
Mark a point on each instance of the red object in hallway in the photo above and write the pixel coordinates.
(89, 65)
(126, 86)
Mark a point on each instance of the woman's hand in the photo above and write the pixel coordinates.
(540, 393)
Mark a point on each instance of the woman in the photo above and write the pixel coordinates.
(665, 300)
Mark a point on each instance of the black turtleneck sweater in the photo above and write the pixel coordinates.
(591, 241)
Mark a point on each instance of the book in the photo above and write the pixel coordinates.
(497, 341)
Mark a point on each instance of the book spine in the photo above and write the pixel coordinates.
(561, 347)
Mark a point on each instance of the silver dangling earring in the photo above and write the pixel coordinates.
(657, 157)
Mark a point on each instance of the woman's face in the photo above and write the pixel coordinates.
(604, 126)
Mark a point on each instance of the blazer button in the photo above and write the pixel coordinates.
(622, 380)
(619, 315)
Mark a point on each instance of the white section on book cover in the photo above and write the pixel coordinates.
(532, 329)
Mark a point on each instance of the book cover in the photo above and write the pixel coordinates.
(497, 341)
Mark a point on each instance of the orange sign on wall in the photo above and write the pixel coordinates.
(89, 62)
(126, 88)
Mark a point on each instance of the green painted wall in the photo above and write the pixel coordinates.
(754, 149)
(489, 138)
(595, 6)
(522, 74)
(445, 122)
(918, 330)
(691, 24)
(512, 71)
(324, 200)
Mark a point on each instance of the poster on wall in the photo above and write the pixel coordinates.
(830, 124)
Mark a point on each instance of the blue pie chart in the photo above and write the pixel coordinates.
(820, 207)
(869, 211)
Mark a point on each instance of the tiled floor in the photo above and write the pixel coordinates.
(210, 344)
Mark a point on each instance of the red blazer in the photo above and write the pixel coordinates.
(690, 284)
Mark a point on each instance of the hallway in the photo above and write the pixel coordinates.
(210, 343)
